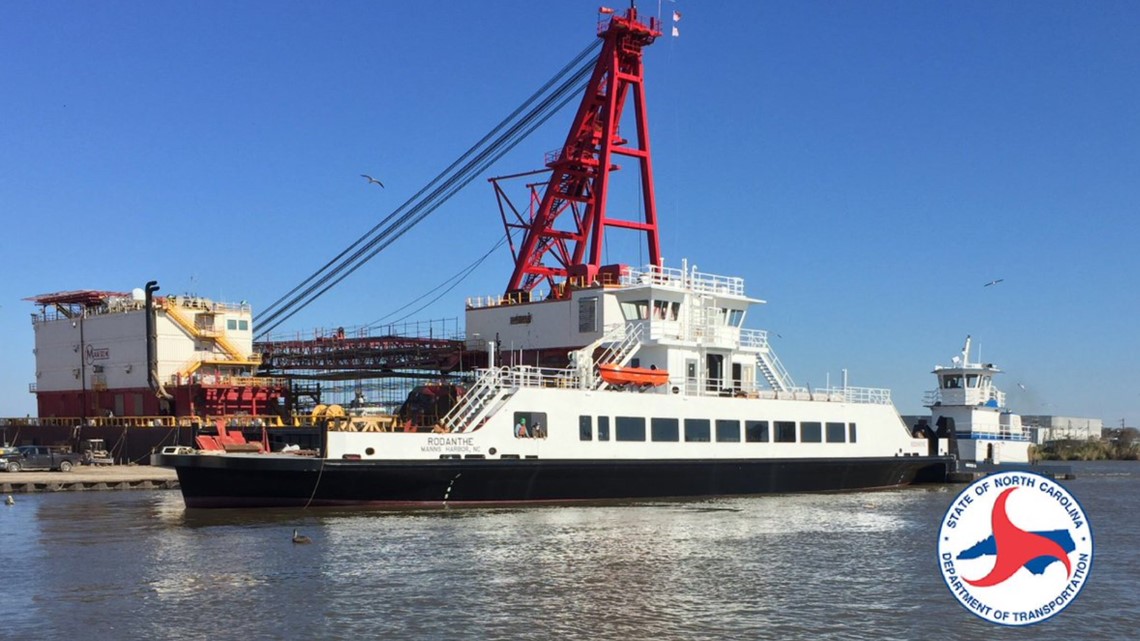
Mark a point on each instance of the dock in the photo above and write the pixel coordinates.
(112, 477)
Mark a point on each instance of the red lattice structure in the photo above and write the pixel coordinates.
(565, 236)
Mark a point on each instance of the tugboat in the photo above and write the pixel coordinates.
(969, 406)
(621, 383)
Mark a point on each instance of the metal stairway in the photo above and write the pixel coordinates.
(484, 397)
(773, 371)
(175, 314)
(624, 341)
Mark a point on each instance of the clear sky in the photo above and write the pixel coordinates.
(866, 166)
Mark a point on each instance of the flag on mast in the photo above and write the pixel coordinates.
(676, 19)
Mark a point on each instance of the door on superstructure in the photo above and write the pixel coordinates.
(691, 382)
(714, 371)
(737, 376)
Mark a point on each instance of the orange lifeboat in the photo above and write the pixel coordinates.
(618, 375)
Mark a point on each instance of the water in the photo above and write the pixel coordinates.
(137, 565)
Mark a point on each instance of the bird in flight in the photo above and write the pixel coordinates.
(371, 179)
(992, 282)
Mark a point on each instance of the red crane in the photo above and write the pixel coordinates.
(580, 171)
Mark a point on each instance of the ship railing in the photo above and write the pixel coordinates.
(969, 396)
(530, 376)
(223, 380)
(724, 387)
(691, 280)
(996, 436)
(753, 339)
(869, 395)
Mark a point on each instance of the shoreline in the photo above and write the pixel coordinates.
(87, 478)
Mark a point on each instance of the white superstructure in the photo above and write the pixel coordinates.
(723, 393)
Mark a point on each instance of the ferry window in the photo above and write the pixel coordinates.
(585, 428)
(971, 380)
(735, 317)
(836, 432)
(588, 314)
(243, 325)
(530, 425)
(635, 310)
(785, 431)
(660, 309)
(951, 382)
(231, 323)
(756, 431)
(629, 428)
(664, 429)
(728, 431)
(603, 428)
(697, 430)
(811, 432)
(850, 432)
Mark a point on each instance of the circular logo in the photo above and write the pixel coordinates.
(1015, 548)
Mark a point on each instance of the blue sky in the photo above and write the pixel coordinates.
(866, 166)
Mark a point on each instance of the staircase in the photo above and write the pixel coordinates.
(623, 342)
(773, 371)
(485, 396)
(182, 320)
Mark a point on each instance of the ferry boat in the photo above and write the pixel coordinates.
(619, 383)
(728, 421)
(969, 407)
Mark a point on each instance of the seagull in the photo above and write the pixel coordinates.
(1021, 386)
(372, 180)
(300, 538)
(992, 282)
(9, 500)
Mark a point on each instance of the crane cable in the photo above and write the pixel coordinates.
(449, 182)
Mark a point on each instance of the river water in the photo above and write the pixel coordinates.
(138, 565)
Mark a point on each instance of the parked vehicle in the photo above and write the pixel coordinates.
(94, 452)
(40, 457)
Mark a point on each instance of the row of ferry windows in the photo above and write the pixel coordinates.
(696, 430)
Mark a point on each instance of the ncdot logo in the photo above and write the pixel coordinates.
(1015, 548)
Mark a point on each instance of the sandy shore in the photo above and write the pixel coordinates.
(109, 477)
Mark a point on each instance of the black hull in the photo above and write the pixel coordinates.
(276, 481)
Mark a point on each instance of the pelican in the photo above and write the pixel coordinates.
(992, 282)
(300, 538)
(372, 180)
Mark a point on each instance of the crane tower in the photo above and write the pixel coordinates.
(565, 235)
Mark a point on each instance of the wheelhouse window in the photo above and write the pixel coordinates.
(811, 432)
(635, 310)
(836, 432)
(735, 317)
(629, 428)
(785, 431)
(585, 428)
(664, 429)
(756, 431)
(697, 430)
(727, 431)
(603, 428)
